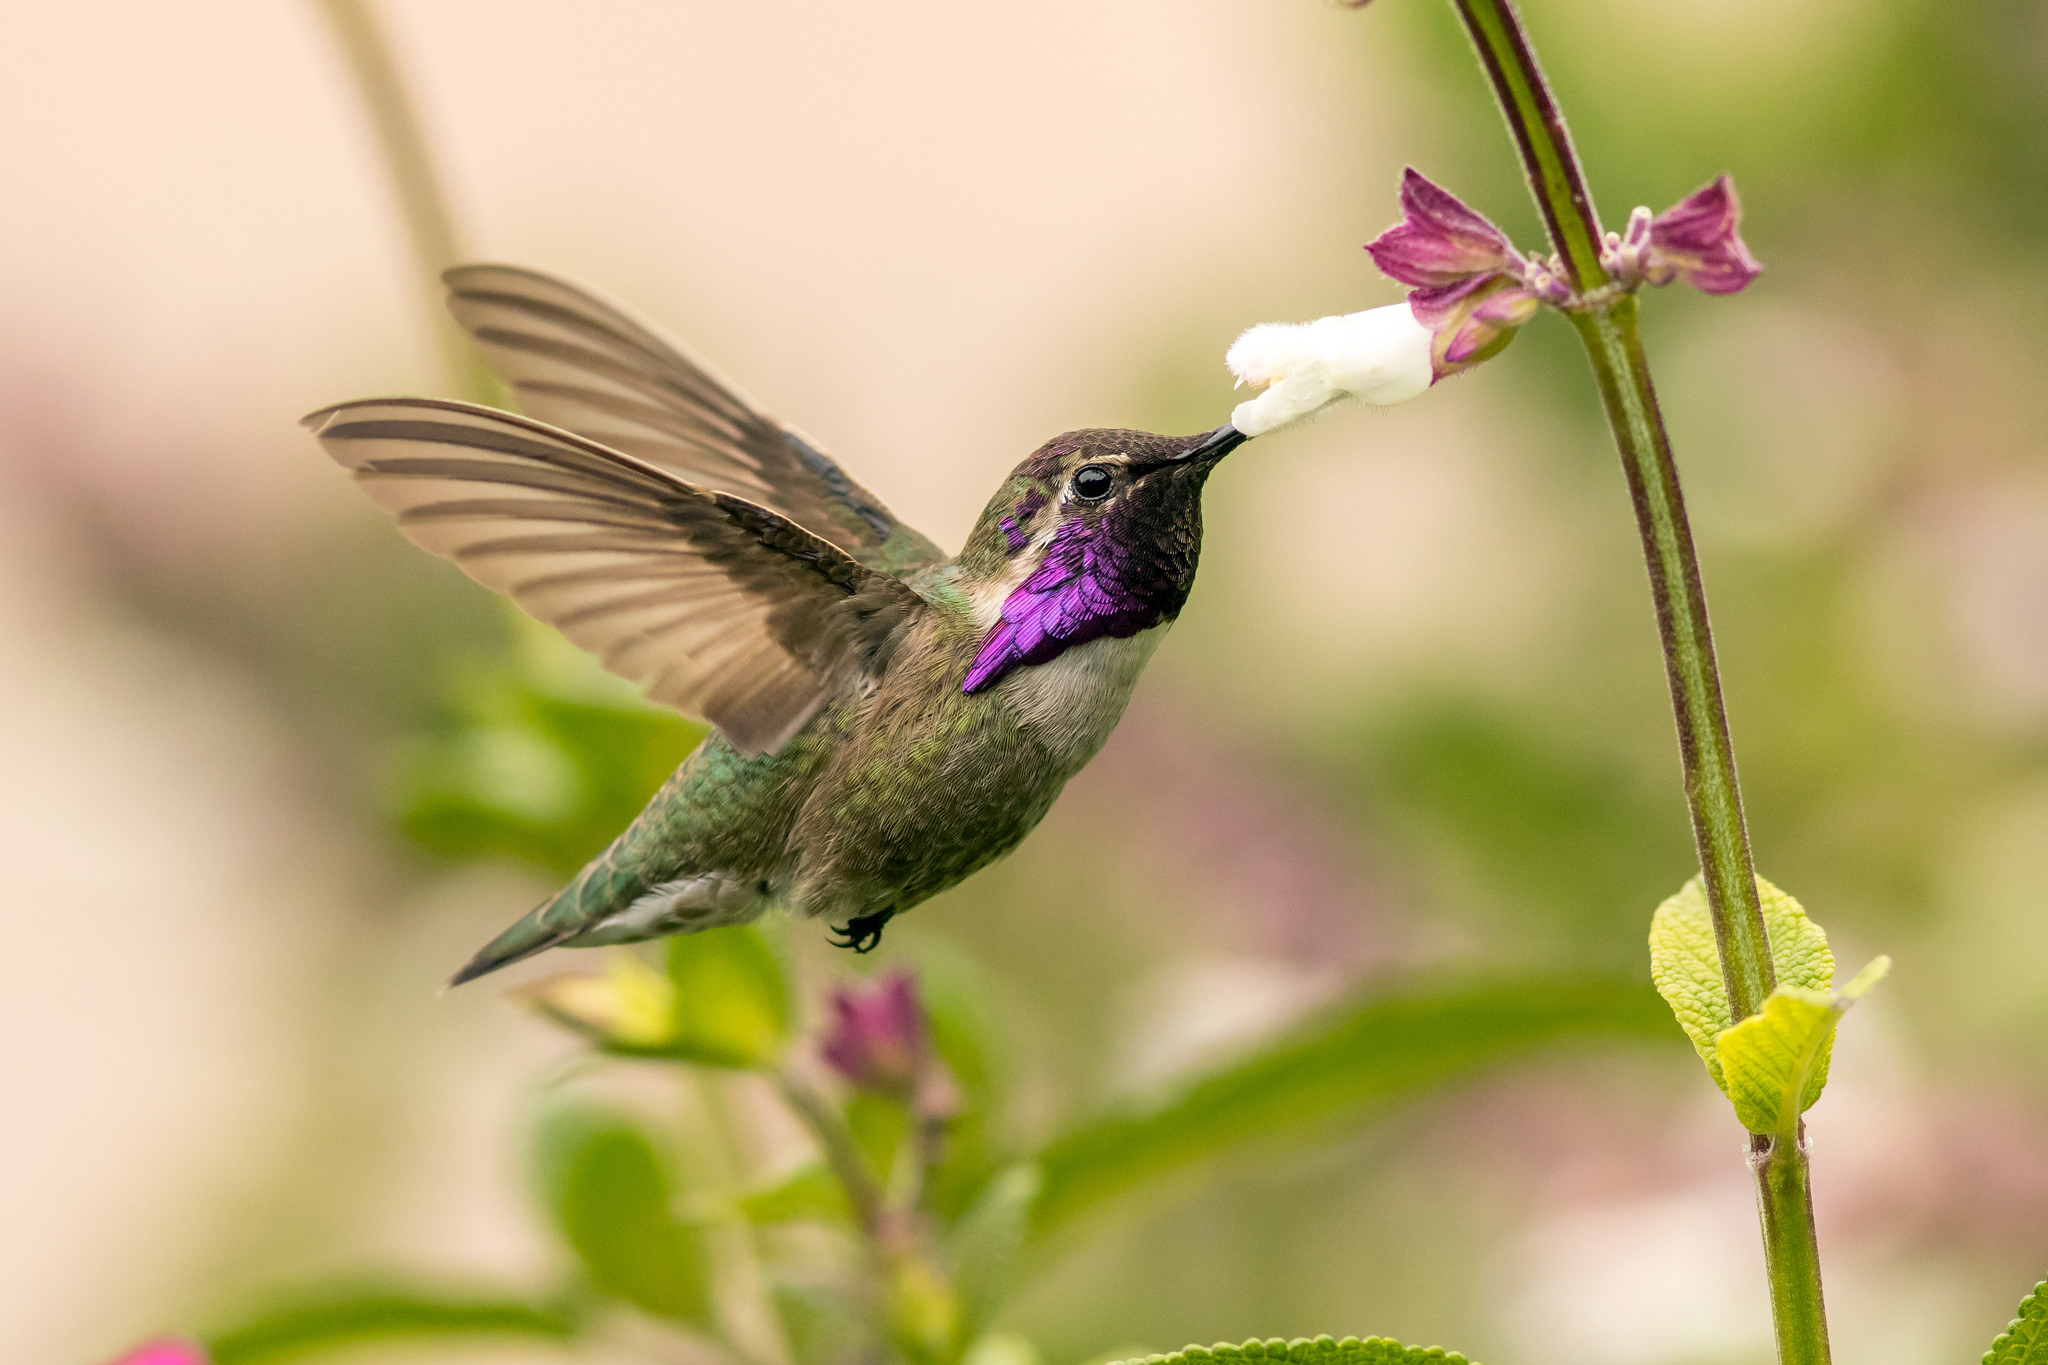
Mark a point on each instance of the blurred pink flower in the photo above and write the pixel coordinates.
(1467, 284)
(877, 1038)
(1698, 240)
(165, 1351)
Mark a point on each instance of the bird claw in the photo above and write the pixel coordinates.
(862, 933)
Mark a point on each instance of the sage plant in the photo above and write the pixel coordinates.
(926, 1207)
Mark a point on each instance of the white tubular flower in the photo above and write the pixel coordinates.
(1379, 356)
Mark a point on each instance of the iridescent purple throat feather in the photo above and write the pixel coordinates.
(1089, 585)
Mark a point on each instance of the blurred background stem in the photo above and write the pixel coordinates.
(842, 1153)
(1614, 346)
(428, 221)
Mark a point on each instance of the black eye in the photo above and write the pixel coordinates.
(1092, 483)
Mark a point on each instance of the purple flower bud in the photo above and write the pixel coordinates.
(165, 1351)
(1471, 321)
(1468, 285)
(1697, 240)
(1439, 241)
(877, 1038)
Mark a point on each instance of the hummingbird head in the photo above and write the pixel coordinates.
(1097, 533)
(1129, 486)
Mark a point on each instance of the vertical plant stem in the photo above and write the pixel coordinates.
(1707, 755)
(1540, 136)
(1607, 327)
(1785, 1198)
(406, 159)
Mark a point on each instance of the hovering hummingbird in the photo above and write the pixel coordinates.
(888, 719)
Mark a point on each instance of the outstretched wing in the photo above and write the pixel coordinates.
(725, 609)
(579, 363)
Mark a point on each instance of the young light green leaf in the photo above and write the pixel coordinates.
(351, 1316)
(609, 1190)
(1686, 964)
(2025, 1341)
(1309, 1351)
(1774, 1064)
(988, 1238)
(731, 1001)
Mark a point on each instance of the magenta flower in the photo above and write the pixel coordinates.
(877, 1038)
(1698, 240)
(1467, 284)
(165, 1351)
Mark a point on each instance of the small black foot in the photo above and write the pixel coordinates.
(863, 932)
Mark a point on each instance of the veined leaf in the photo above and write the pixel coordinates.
(1685, 961)
(353, 1316)
(2025, 1341)
(1309, 1351)
(1774, 1064)
(1386, 1046)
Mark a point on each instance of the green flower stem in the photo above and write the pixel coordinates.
(1541, 137)
(1616, 351)
(1608, 329)
(427, 219)
(842, 1153)
(1784, 1193)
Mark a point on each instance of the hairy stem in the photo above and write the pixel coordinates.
(1784, 1194)
(1615, 349)
(1541, 137)
(406, 159)
(1708, 757)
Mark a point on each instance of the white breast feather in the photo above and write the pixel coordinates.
(1072, 703)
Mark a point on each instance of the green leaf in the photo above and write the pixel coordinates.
(732, 1003)
(1309, 1351)
(1774, 1064)
(609, 1190)
(351, 1316)
(988, 1239)
(517, 769)
(1386, 1046)
(1685, 962)
(808, 1193)
(2025, 1341)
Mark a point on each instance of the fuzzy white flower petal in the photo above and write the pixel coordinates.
(1381, 356)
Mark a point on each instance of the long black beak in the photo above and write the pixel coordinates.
(1215, 445)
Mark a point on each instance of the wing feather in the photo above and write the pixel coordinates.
(585, 365)
(723, 608)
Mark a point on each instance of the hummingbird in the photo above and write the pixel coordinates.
(888, 719)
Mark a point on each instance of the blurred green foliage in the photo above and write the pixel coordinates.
(1394, 1042)
(515, 769)
(353, 1317)
(732, 1004)
(608, 1186)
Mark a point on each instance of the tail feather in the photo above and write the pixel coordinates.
(529, 936)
